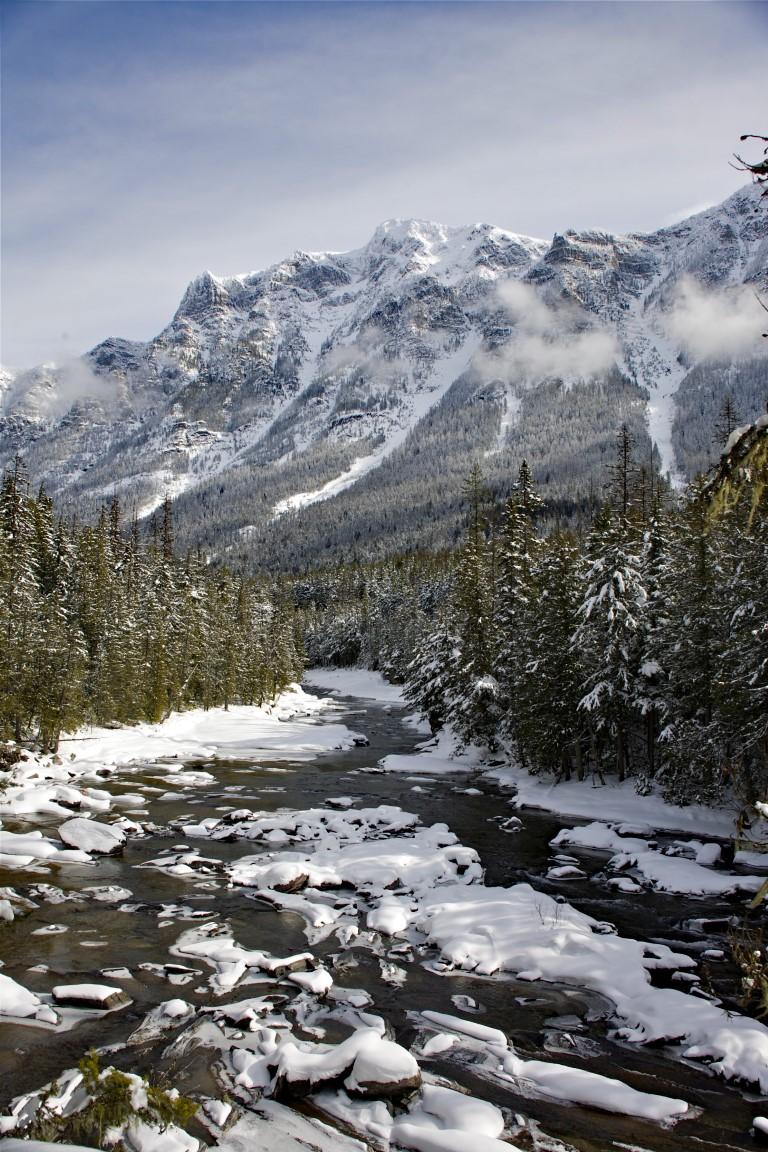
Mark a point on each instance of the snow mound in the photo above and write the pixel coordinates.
(520, 930)
(92, 836)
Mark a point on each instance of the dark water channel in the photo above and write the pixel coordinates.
(542, 1021)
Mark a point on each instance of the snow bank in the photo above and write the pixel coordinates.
(466, 1027)
(685, 877)
(430, 856)
(578, 1086)
(437, 757)
(449, 1109)
(19, 850)
(438, 1118)
(15, 1000)
(619, 802)
(667, 871)
(603, 837)
(287, 729)
(358, 682)
(546, 1078)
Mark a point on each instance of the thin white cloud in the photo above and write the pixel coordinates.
(51, 390)
(365, 355)
(724, 324)
(547, 342)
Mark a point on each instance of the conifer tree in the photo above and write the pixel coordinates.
(432, 675)
(653, 702)
(58, 691)
(516, 603)
(98, 626)
(609, 637)
(547, 698)
(692, 744)
(727, 421)
(20, 606)
(741, 683)
(476, 697)
(625, 475)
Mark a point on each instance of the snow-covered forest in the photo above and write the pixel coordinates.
(637, 649)
(619, 672)
(103, 623)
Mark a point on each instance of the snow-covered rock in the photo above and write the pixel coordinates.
(526, 932)
(103, 997)
(92, 836)
(667, 871)
(19, 849)
(15, 1000)
(383, 1069)
(368, 1064)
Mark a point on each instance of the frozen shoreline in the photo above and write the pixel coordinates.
(358, 682)
(76, 778)
(612, 801)
(581, 800)
(284, 729)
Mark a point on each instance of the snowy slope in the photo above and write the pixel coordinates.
(289, 387)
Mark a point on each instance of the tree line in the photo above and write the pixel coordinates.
(103, 623)
(638, 648)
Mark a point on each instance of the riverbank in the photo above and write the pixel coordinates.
(297, 925)
(76, 778)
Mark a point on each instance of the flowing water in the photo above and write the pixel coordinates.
(544, 1021)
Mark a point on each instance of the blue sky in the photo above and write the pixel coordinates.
(144, 141)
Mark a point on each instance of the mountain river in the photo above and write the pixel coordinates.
(543, 1021)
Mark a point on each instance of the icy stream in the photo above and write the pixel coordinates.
(121, 922)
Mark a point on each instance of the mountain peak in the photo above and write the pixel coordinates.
(295, 383)
(206, 291)
(396, 231)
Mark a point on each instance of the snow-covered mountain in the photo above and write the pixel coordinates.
(338, 398)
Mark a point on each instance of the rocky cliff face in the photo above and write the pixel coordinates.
(272, 394)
